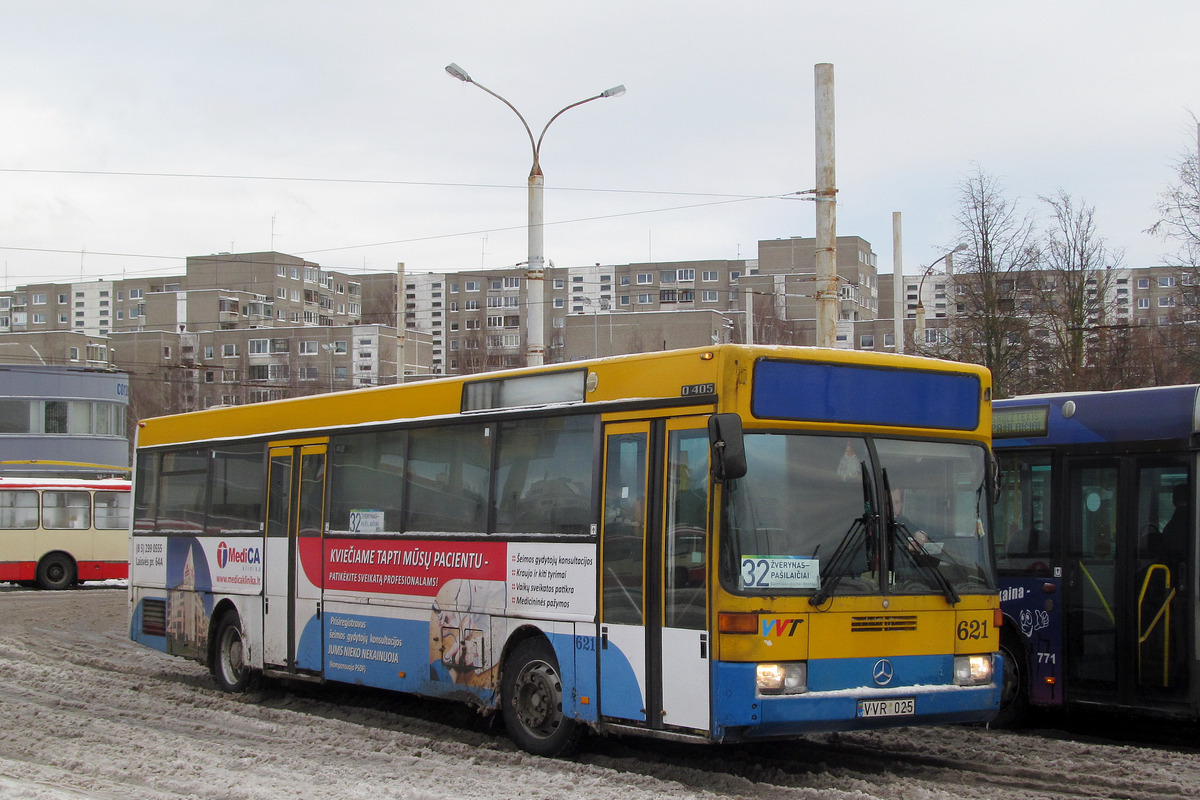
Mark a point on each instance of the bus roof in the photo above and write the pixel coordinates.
(695, 376)
(1160, 413)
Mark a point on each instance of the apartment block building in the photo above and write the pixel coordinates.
(245, 327)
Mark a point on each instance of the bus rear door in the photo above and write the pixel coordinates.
(292, 633)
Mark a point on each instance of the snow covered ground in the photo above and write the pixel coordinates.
(84, 713)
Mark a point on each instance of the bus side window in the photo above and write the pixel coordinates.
(1164, 511)
(687, 524)
(18, 510)
(623, 545)
(1023, 515)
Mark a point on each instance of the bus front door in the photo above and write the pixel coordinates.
(295, 519)
(654, 664)
(1127, 582)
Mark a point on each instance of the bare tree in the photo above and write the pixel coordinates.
(1179, 208)
(1072, 297)
(1179, 222)
(1001, 249)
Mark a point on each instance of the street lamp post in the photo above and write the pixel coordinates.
(535, 271)
(920, 330)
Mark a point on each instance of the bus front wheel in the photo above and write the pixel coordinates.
(532, 696)
(56, 571)
(229, 668)
(1014, 692)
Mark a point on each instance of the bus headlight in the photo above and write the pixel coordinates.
(972, 670)
(790, 678)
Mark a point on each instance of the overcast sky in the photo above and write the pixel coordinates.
(134, 133)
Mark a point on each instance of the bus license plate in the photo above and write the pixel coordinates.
(892, 707)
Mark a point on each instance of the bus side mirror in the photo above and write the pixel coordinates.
(728, 448)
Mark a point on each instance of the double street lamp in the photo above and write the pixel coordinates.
(920, 331)
(535, 270)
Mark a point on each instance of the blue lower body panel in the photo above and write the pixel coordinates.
(740, 713)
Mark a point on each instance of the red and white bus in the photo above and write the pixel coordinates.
(56, 532)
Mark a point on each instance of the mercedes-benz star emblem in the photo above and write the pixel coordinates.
(882, 672)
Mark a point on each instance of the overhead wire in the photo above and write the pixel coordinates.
(723, 198)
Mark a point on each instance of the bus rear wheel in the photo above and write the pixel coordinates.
(56, 571)
(229, 668)
(532, 696)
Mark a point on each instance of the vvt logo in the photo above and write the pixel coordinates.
(227, 555)
(778, 627)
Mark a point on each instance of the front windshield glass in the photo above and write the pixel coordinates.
(811, 517)
(939, 504)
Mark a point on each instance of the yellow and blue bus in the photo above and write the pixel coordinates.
(720, 544)
(1096, 549)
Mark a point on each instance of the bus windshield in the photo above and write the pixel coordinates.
(813, 516)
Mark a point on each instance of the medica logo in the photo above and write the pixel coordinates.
(227, 555)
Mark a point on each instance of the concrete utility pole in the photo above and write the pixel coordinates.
(826, 194)
(897, 283)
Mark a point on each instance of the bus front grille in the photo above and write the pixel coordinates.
(883, 624)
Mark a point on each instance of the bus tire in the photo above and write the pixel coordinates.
(531, 695)
(229, 668)
(56, 571)
(1014, 687)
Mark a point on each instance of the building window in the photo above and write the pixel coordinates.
(685, 275)
(259, 347)
(866, 341)
(229, 351)
(708, 297)
(645, 278)
(645, 299)
(308, 348)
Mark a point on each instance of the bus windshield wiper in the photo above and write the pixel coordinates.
(911, 547)
(847, 549)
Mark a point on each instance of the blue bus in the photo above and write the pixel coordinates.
(1095, 533)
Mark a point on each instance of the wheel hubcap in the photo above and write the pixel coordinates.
(233, 656)
(538, 700)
